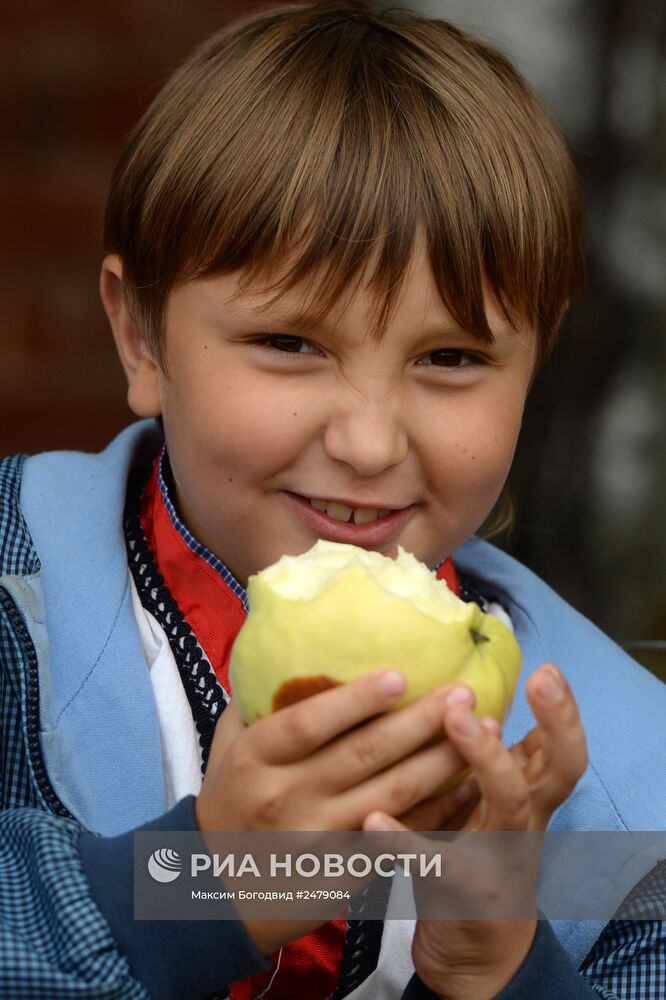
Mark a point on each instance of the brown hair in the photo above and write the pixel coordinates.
(320, 141)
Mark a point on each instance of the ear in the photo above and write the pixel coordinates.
(142, 371)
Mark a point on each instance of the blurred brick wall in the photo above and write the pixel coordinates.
(74, 78)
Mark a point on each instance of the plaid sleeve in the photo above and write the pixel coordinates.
(546, 973)
(54, 942)
(628, 961)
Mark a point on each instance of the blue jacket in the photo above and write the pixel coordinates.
(81, 746)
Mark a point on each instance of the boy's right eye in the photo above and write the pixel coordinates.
(283, 343)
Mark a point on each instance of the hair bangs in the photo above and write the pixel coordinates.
(318, 147)
(345, 200)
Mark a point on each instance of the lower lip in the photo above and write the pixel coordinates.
(377, 532)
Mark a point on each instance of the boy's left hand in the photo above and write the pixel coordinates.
(512, 789)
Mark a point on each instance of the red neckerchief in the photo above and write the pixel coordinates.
(215, 614)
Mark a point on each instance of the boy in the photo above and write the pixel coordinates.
(339, 245)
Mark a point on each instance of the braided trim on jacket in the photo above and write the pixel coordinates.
(206, 696)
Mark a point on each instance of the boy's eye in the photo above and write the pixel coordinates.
(284, 343)
(446, 358)
(450, 358)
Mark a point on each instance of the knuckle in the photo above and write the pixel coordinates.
(270, 808)
(239, 760)
(435, 706)
(516, 801)
(368, 751)
(516, 805)
(571, 762)
(303, 729)
(403, 792)
(574, 768)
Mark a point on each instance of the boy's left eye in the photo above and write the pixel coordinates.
(451, 358)
(283, 343)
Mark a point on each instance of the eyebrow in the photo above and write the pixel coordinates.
(303, 322)
(433, 332)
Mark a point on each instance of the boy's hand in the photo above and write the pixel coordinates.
(516, 789)
(326, 762)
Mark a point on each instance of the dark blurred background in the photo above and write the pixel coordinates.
(590, 475)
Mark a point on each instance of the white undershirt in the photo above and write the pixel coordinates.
(181, 752)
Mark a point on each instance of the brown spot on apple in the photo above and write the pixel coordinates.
(299, 688)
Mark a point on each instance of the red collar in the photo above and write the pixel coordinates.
(212, 610)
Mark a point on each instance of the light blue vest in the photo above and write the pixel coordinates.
(100, 736)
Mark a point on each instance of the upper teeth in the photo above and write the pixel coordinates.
(341, 512)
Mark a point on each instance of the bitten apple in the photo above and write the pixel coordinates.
(337, 611)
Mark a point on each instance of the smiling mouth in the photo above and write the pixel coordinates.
(341, 522)
(342, 512)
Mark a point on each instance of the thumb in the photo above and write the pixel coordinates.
(380, 822)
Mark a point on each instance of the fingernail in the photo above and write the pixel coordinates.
(466, 724)
(459, 696)
(392, 683)
(377, 824)
(549, 688)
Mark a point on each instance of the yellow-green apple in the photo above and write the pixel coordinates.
(337, 611)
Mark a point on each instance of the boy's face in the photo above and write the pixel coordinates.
(426, 420)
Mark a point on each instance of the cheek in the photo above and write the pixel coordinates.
(475, 450)
(235, 425)
(497, 439)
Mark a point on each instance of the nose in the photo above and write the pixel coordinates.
(368, 435)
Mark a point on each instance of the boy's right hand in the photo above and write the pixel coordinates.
(325, 762)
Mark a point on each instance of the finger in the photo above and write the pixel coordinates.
(408, 782)
(518, 752)
(561, 737)
(492, 725)
(393, 737)
(443, 812)
(531, 742)
(381, 822)
(298, 730)
(228, 728)
(527, 747)
(504, 790)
